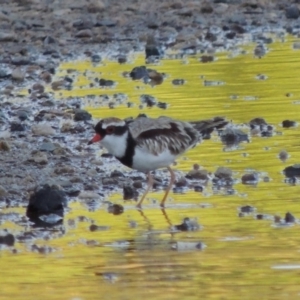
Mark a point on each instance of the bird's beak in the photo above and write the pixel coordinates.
(95, 139)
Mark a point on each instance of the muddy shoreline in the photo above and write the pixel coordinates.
(42, 139)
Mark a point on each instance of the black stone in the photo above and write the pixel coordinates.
(82, 115)
(14, 126)
(129, 192)
(292, 171)
(8, 240)
(45, 201)
(116, 209)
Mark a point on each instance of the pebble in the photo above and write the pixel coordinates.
(45, 201)
(4, 146)
(14, 126)
(292, 171)
(250, 179)
(129, 192)
(8, 240)
(292, 12)
(82, 115)
(18, 74)
(84, 33)
(42, 129)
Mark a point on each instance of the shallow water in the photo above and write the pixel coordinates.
(136, 256)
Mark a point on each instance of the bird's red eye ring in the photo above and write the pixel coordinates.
(110, 129)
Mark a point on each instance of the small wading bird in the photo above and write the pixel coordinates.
(146, 144)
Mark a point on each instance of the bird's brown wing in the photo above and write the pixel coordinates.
(158, 135)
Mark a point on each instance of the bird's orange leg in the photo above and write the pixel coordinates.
(172, 179)
(150, 184)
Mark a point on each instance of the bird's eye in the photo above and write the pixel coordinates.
(110, 129)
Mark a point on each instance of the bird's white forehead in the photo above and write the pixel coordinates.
(112, 122)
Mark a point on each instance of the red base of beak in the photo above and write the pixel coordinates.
(95, 139)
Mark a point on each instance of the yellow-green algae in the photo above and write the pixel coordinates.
(226, 269)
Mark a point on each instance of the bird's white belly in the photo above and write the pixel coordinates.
(145, 161)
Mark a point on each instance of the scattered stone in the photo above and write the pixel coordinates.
(115, 209)
(292, 12)
(223, 177)
(198, 188)
(18, 75)
(283, 155)
(39, 158)
(155, 77)
(231, 137)
(46, 201)
(47, 146)
(96, 58)
(188, 225)
(178, 81)
(4, 146)
(7, 36)
(288, 124)
(139, 73)
(206, 58)
(289, 218)
(8, 240)
(188, 246)
(251, 179)
(292, 171)
(106, 82)
(42, 129)
(3, 191)
(84, 33)
(95, 227)
(247, 209)
(153, 48)
(14, 126)
(129, 193)
(82, 115)
(148, 100)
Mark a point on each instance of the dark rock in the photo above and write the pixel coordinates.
(198, 188)
(46, 201)
(4, 146)
(206, 58)
(162, 105)
(106, 82)
(22, 114)
(116, 173)
(83, 24)
(95, 227)
(47, 146)
(283, 155)
(247, 209)
(8, 240)
(188, 225)
(122, 59)
(116, 209)
(106, 23)
(129, 192)
(250, 179)
(153, 48)
(96, 58)
(292, 171)
(139, 73)
(14, 126)
(85, 33)
(232, 137)
(292, 12)
(289, 218)
(148, 100)
(178, 81)
(82, 115)
(288, 123)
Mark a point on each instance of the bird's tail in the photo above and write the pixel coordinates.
(206, 127)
